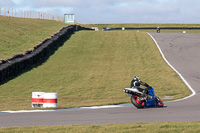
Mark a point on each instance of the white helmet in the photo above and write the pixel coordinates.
(136, 78)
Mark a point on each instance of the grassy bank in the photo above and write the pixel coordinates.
(92, 68)
(153, 127)
(18, 35)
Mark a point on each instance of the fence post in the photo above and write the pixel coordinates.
(4, 12)
(8, 12)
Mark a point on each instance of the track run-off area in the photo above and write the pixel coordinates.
(181, 51)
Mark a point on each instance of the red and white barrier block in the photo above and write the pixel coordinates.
(42, 99)
(50, 100)
(37, 99)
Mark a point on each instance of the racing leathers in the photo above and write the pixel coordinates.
(137, 83)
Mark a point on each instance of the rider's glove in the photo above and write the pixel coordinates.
(149, 87)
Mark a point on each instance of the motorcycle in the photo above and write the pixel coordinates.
(139, 101)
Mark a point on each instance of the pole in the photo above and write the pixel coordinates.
(21, 13)
(4, 12)
(8, 12)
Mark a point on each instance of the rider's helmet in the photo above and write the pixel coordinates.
(137, 78)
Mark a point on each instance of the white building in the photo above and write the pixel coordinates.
(69, 18)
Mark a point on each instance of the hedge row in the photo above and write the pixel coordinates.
(21, 62)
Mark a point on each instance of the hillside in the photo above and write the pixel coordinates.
(18, 35)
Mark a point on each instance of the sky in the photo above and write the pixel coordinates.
(115, 11)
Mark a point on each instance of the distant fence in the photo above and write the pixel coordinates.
(28, 14)
(22, 62)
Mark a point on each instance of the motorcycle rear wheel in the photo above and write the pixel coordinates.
(137, 102)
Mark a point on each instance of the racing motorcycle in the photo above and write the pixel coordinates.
(139, 101)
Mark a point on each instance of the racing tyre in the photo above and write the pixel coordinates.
(137, 102)
(159, 102)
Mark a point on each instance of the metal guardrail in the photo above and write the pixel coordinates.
(154, 28)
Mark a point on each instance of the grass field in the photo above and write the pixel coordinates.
(18, 35)
(92, 68)
(101, 26)
(152, 127)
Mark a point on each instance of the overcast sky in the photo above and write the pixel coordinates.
(115, 11)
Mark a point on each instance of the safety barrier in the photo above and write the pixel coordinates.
(154, 28)
(17, 64)
(43, 99)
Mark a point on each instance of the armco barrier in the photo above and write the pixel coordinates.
(21, 62)
(162, 28)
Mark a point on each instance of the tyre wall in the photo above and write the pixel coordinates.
(22, 62)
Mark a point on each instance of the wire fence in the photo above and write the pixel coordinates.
(29, 14)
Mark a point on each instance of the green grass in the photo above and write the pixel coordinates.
(92, 68)
(18, 35)
(152, 127)
(101, 26)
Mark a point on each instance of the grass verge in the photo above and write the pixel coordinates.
(18, 35)
(152, 127)
(92, 68)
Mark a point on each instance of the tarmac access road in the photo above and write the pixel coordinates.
(181, 50)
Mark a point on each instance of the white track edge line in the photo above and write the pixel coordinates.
(81, 108)
(187, 84)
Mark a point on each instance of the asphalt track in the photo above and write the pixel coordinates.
(181, 50)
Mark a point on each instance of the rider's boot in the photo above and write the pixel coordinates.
(149, 97)
(144, 96)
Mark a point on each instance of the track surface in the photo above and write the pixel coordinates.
(181, 50)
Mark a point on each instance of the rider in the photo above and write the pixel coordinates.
(136, 82)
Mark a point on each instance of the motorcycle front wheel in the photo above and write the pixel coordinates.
(137, 102)
(159, 102)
